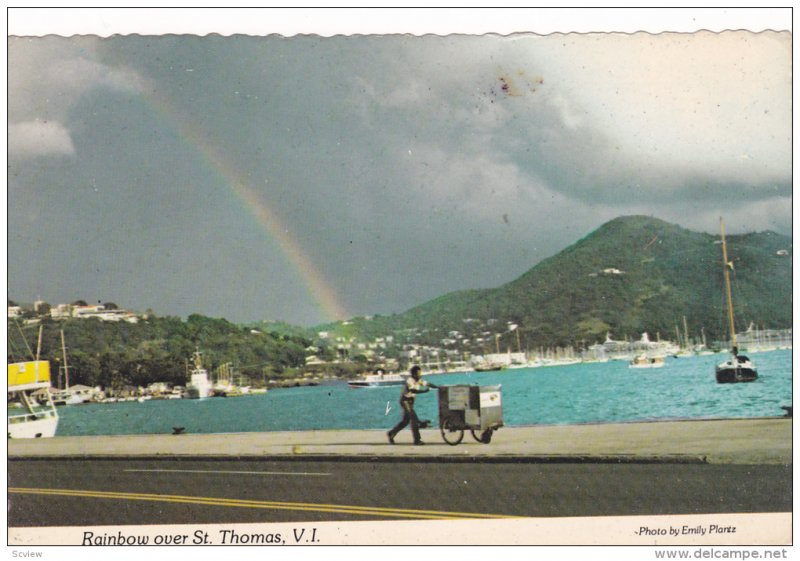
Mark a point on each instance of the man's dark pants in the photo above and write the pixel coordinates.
(409, 416)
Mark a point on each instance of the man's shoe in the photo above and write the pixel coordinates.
(418, 443)
(391, 437)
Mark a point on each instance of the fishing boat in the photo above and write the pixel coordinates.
(31, 411)
(199, 386)
(643, 361)
(738, 368)
(378, 380)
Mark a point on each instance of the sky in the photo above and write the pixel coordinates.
(311, 178)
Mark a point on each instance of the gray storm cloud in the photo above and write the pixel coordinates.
(598, 118)
(47, 79)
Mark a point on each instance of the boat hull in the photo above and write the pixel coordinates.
(199, 387)
(382, 384)
(730, 374)
(66, 398)
(200, 392)
(33, 428)
(492, 368)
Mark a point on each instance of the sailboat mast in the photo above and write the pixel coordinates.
(66, 370)
(686, 332)
(727, 283)
(39, 345)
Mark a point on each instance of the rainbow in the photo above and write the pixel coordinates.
(321, 291)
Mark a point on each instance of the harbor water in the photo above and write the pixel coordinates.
(685, 388)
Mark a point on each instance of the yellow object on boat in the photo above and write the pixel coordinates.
(28, 373)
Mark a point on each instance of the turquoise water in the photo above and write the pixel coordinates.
(581, 393)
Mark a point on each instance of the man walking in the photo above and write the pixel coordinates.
(414, 385)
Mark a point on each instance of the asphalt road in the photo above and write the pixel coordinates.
(86, 492)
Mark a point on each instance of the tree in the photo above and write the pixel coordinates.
(43, 309)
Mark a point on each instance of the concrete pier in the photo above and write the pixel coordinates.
(732, 441)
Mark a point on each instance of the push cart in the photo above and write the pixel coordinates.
(477, 408)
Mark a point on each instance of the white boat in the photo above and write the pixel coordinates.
(379, 379)
(199, 386)
(73, 395)
(643, 361)
(70, 395)
(738, 368)
(31, 412)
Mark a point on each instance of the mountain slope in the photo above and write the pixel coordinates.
(631, 275)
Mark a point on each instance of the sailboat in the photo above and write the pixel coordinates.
(738, 368)
(70, 395)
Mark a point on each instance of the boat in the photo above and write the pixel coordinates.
(489, 367)
(224, 386)
(31, 411)
(199, 386)
(738, 368)
(644, 361)
(73, 395)
(70, 395)
(378, 380)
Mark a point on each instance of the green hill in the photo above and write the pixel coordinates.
(631, 275)
(119, 354)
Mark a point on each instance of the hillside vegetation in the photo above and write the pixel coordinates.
(117, 355)
(633, 274)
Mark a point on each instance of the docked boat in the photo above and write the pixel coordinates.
(73, 395)
(31, 412)
(378, 380)
(643, 361)
(70, 395)
(199, 386)
(738, 368)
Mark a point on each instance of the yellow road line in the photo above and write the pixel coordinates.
(276, 505)
(209, 471)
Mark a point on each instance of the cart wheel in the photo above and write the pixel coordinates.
(485, 437)
(450, 433)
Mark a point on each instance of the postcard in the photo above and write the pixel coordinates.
(516, 281)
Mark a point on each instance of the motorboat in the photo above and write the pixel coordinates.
(378, 380)
(31, 411)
